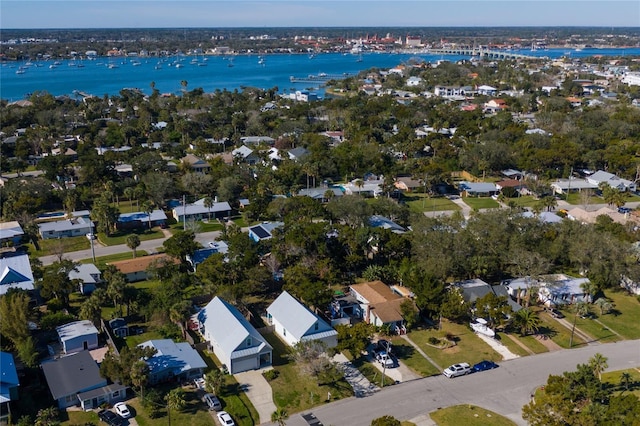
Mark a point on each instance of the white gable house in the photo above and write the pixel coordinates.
(232, 338)
(294, 322)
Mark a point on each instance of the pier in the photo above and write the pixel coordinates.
(483, 53)
(319, 78)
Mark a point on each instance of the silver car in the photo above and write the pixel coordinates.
(212, 402)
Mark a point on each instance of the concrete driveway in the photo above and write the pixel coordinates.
(258, 391)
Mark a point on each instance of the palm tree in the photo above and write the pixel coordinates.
(279, 416)
(130, 192)
(140, 375)
(214, 380)
(147, 207)
(625, 380)
(91, 310)
(175, 399)
(527, 321)
(133, 242)
(598, 364)
(605, 305)
(582, 309)
(359, 183)
(328, 195)
(116, 289)
(208, 203)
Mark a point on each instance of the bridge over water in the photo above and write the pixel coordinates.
(483, 53)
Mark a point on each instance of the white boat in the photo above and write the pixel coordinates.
(480, 326)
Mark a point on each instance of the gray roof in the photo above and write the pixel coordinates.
(142, 216)
(87, 272)
(10, 230)
(191, 209)
(318, 193)
(229, 328)
(71, 374)
(177, 357)
(65, 225)
(296, 318)
(478, 187)
(378, 221)
(76, 329)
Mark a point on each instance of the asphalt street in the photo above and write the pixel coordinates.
(504, 390)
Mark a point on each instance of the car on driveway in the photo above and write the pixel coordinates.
(456, 370)
(383, 345)
(212, 402)
(225, 419)
(385, 359)
(122, 410)
(199, 383)
(484, 365)
(624, 210)
(109, 417)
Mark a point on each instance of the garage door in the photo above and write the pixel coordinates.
(244, 364)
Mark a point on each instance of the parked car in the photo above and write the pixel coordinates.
(199, 382)
(555, 313)
(385, 359)
(109, 417)
(225, 419)
(624, 210)
(456, 370)
(212, 402)
(91, 236)
(484, 365)
(122, 410)
(383, 346)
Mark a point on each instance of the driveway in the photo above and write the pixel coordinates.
(258, 391)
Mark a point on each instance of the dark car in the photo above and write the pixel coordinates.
(384, 345)
(484, 365)
(109, 417)
(555, 313)
(624, 210)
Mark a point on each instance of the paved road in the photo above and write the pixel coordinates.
(504, 390)
(150, 246)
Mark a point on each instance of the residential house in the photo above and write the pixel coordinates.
(74, 227)
(293, 322)
(119, 327)
(574, 102)
(196, 164)
(519, 185)
(263, 231)
(379, 305)
(136, 269)
(612, 180)
(10, 233)
(198, 211)
(477, 189)
(451, 91)
(201, 255)
(297, 154)
(246, 155)
(407, 184)
(78, 336)
(15, 272)
(561, 289)
(88, 276)
(485, 90)
(173, 361)
(235, 342)
(371, 188)
(320, 194)
(513, 174)
(472, 290)
(336, 137)
(256, 140)
(545, 217)
(8, 385)
(585, 216)
(141, 219)
(494, 105)
(377, 221)
(566, 186)
(75, 380)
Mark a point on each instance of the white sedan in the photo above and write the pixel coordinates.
(225, 419)
(122, 410)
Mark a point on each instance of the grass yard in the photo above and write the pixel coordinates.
(468, 415)
(577, 199)
(593, 328)
(533, 343)
(240, 221)
(211, 226)
(557, 332)
(469, 347)
(624, 319)
(194, 414)
(296, 392)
(511, 345)
(412, 358)
(102, 261)
(370, 371)
(524, 201)
(71, 418)
(613, 378)
(56, 245)
(120, 237)
(419, 203)
(477, 203)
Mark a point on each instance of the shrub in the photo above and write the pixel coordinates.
(434, 340)
(271, 375)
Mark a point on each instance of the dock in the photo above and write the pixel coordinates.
(483, 53)
(319, 78)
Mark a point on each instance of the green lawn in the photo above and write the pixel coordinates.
(613, 378)
(558, 332)
(370, 371)
(55, 245)
(469, 347)
(102, 261)
(194, 414)
(511, 345)
(577, 199)
(412, 358)
(120, 237)
(79, 418)
(477, 203)
(419, 203)
(533, 343)
(240, 221)
(525, 201)
(468, 415)
(294, 391)
(624, 320)
(214, 225)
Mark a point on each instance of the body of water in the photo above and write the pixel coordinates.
(109, 75)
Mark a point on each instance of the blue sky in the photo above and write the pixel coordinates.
(318, 13)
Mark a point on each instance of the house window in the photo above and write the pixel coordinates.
(315, 326)
(116, 394)
(248, 341)
(284, 332)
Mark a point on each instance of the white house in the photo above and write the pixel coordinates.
(232, 338)
(78, 336)
(74, 227)
(612, 180)
(263, 231)
(198, 211)
(15, 272)
(294, 322)
(88, 275)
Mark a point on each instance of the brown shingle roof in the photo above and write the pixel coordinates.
(388, 311)
(375, 292)
(141, 263)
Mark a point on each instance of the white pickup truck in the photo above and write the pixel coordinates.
(385, 359)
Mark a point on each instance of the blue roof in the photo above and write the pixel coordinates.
(178, 357)
(8, 376)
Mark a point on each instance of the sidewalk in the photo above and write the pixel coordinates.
(361, 385)
(421, 352)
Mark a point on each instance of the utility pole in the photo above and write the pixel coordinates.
(184, 212)
(93, 251)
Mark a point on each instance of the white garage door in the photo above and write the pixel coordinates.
(244, 364)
